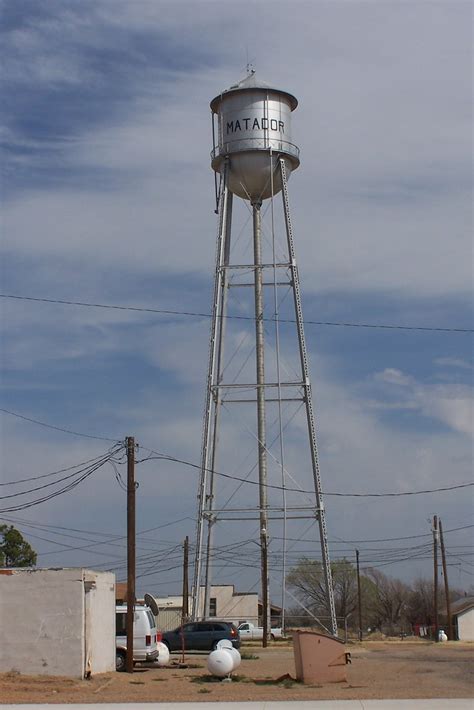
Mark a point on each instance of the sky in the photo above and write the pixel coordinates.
(108, 198)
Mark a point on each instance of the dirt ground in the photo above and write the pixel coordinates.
(379, 670)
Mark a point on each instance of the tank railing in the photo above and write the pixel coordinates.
(241, 144)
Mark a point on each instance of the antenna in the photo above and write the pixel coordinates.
(249, 63)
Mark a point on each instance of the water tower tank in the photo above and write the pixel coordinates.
(253, 123)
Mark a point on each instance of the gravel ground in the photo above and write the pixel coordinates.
(378, 670)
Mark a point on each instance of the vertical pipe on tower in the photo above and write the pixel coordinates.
(222, 275)
(261, 433)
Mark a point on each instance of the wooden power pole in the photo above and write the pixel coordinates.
(435, 576)
(185, 603)
(446, 585)
(359, 596)
(130, 444)
(185, 611)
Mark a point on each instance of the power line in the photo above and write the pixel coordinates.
(166, 457)
(57, 428)
(51, 528)
(383, 539)
(53, 473)
(70, 485)
(48, 485)
(113, 539)
(197, 314)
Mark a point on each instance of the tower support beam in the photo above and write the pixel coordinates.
(212, 380)
(321, 516)
(223, 277)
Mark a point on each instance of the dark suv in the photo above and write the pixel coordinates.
(201, 636)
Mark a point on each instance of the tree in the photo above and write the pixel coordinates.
(307, 581)
(421, 602)
(391, 600)
(15, 551)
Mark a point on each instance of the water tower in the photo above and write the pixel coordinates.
(253, 157)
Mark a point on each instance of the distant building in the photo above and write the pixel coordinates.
(462, 612)
(57, 622)
(225, 604)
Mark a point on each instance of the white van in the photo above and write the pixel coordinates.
(145, 635)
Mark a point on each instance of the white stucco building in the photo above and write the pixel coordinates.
(57, 621)
(462, 612)
(225, 604)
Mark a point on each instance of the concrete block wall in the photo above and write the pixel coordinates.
(43, 621)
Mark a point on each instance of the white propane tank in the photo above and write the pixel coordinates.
(235, 657)
(220, 663)
(163, 654)
(442, 636)
(224, 643)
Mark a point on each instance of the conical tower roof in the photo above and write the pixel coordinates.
(251, 83)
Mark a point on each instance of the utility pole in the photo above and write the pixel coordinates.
(130, 445)
(435, 576)
(185, 611)
(185, 606)
(446, 585)
(359, 596)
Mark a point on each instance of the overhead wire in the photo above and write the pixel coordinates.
(57, 428)
(99, 461)
(197, 314)
(80, 476)
(114, 541)
(394, 494)
(167, 457)
(48, 475)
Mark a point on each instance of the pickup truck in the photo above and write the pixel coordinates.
(247, 630)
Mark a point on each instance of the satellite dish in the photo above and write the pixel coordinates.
(224, 643)
(151, 602)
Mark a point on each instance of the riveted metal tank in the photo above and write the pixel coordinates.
(253, 131)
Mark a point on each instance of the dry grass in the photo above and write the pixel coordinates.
(387, 669)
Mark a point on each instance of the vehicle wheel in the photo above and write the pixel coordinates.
(120, 661)
(272, 636)
(214, 646)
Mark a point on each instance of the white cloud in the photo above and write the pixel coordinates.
(384, 128)
(454, 362)
(380, 205)
(451, 404)
(394, 377)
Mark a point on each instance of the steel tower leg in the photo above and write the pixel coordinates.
(222, 276)
(216, 330)
(309, 405)
(261, 432)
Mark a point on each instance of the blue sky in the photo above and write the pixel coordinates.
(108, 198)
